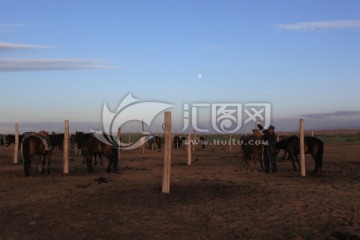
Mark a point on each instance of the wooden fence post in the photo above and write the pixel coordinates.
(143, 129)
(66, 146)
(16, 147)
(119, 142)
(302, 148)
(167, 154)
(189, 150)
(230, 143)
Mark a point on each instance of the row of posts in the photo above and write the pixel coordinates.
(167, 149)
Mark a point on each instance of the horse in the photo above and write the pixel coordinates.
(10, 138)
(80, 137)
(313, 146)
(155, 140)
(202, 142)
(251, 146)
(177, 142)
(56, 140)
(33, 146)
(285, 152)
(90, 146)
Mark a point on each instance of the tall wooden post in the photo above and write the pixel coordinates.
(312, 133)
(16, 147)
(167, 154)
(189, 150)
(302, 148)
(143, 129)
(66, 146)
(119, 142)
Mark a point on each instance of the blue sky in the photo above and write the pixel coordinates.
(64, 59)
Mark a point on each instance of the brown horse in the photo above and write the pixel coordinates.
(31, 147)
(251, 147)
(313, 146)
(92, 145)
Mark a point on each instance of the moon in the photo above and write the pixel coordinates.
(199, 76)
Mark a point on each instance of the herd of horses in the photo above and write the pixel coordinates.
(92, 148)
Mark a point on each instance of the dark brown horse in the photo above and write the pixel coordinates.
(79, 138)
(251, 148)
(90, 146)
(33, 146)
(313, 146)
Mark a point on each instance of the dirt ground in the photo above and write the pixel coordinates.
(214, 198)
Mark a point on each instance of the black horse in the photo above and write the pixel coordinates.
(33, 146)
(90, 146)
(10, 139)
(313, 146)
(57, 140)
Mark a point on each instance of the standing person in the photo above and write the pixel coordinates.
(269, 150)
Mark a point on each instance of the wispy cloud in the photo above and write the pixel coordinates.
(4, 26)
(332, 114)
(4, 46)
(14, 65)
(335, 24)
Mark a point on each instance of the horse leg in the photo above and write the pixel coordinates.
(48, 164)
(27, 165)
(292, 157)
(261, 163)
(95, 161)
(297, 160)
(100, 159)
(42, 164)
(89, 163)
(110, 162)
(316, 169)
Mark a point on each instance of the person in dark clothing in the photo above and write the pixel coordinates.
(269, 148)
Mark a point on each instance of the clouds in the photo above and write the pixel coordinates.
(332, 114)
(41, 64)
(4, 46)
(4, 26)
(318, 25)
(11, 65)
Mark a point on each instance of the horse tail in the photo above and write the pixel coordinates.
(320, 153)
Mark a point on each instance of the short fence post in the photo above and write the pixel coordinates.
(16, 147)
(302, 148)
(189, 150)
(167, 154)
(230, 142)
(66, 146)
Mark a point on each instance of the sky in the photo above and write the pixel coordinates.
(64, 59)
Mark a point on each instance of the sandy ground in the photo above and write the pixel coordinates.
(214, 198)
